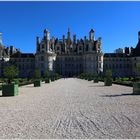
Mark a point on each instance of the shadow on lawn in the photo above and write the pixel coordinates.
(117, 95)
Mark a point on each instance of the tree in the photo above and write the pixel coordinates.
(138, 68)
(47, 74)
(109, 73)
(108, 78)
(10, 72)
(95, 75)
(137, 78)
(37, 74)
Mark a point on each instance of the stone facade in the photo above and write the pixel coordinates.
(120, 64)
(25, 62)
(45, 56)
(124, 64)
(66, 56)
(6, 52)
(69, 57)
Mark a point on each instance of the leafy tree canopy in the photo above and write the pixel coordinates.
(10, 72)
(47, 74)
(37, 73)
(109, 73)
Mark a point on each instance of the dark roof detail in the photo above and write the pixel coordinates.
(91, 31)
(23, 55)
(115, 55)
(136, 51)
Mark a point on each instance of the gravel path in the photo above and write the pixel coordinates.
(71, 108)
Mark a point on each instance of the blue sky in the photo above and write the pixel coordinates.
(117, 23)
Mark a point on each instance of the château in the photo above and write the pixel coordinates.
(70, 57)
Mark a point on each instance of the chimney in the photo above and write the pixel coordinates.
(74, 39)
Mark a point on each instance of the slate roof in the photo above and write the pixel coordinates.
(115, 55)
(23, 55)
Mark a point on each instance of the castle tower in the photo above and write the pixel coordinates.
(68, 37)
(47, 34)
(91, 35)
(74, 39)
(0, 38)
(85, 38)
(98, 47)
(69, 42)
(45, 56)
(37, 44)
(63, 38)
(85, 43)
(64, 43)
(53, 42)
(47, 39)
(74, 43)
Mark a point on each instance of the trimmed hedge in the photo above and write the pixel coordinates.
(21, 84)
(10, 90)
(124, 83)
(37, 83)
(108, 81)
(136, 88)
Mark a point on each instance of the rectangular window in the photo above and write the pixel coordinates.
(42, 65)
(42, 58)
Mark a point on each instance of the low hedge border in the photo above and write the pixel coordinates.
(124, 83)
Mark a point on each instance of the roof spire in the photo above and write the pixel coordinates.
(68, 33)
(68, 29)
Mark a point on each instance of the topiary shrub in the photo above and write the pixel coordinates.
(108, 78)
(10, 89)
(37, 81)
